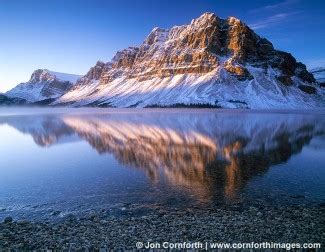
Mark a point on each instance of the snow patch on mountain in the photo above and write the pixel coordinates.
(66, 77)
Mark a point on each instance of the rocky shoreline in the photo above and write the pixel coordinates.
(294, 224)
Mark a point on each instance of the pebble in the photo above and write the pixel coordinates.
(121, 232)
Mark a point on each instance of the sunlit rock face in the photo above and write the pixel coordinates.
(210, 61)
(194, 48)
(182, 148)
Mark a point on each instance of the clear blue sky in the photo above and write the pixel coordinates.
(71, 35)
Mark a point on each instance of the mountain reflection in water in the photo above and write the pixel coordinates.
(213, 155)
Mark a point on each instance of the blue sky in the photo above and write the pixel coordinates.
(71, 35)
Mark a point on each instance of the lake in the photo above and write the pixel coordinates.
(58, 162)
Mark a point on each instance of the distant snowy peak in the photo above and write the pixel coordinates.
(44, 75)
(44, 85)
(319, 74)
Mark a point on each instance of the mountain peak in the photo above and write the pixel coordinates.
(41, 75)
(234, 20)
(100, 63)
(207, 18)
(157, 35)
(45, 75)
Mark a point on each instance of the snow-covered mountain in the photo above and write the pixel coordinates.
(221, 62)
(319, 74)
(44, 85)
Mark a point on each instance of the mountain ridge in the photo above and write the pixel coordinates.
(211, 61)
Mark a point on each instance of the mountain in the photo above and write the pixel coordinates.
(211, 61)
(44, 85)
(5, 100)
(319, 74)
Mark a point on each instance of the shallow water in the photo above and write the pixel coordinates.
(60, 162)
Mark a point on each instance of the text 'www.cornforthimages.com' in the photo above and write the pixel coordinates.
(221, 245)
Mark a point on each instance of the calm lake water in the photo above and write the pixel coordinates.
(61, 162)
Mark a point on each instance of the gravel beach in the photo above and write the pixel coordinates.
(103, 230)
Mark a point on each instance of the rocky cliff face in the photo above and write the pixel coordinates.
(43, 84)
(194, 48)
(220, 62)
